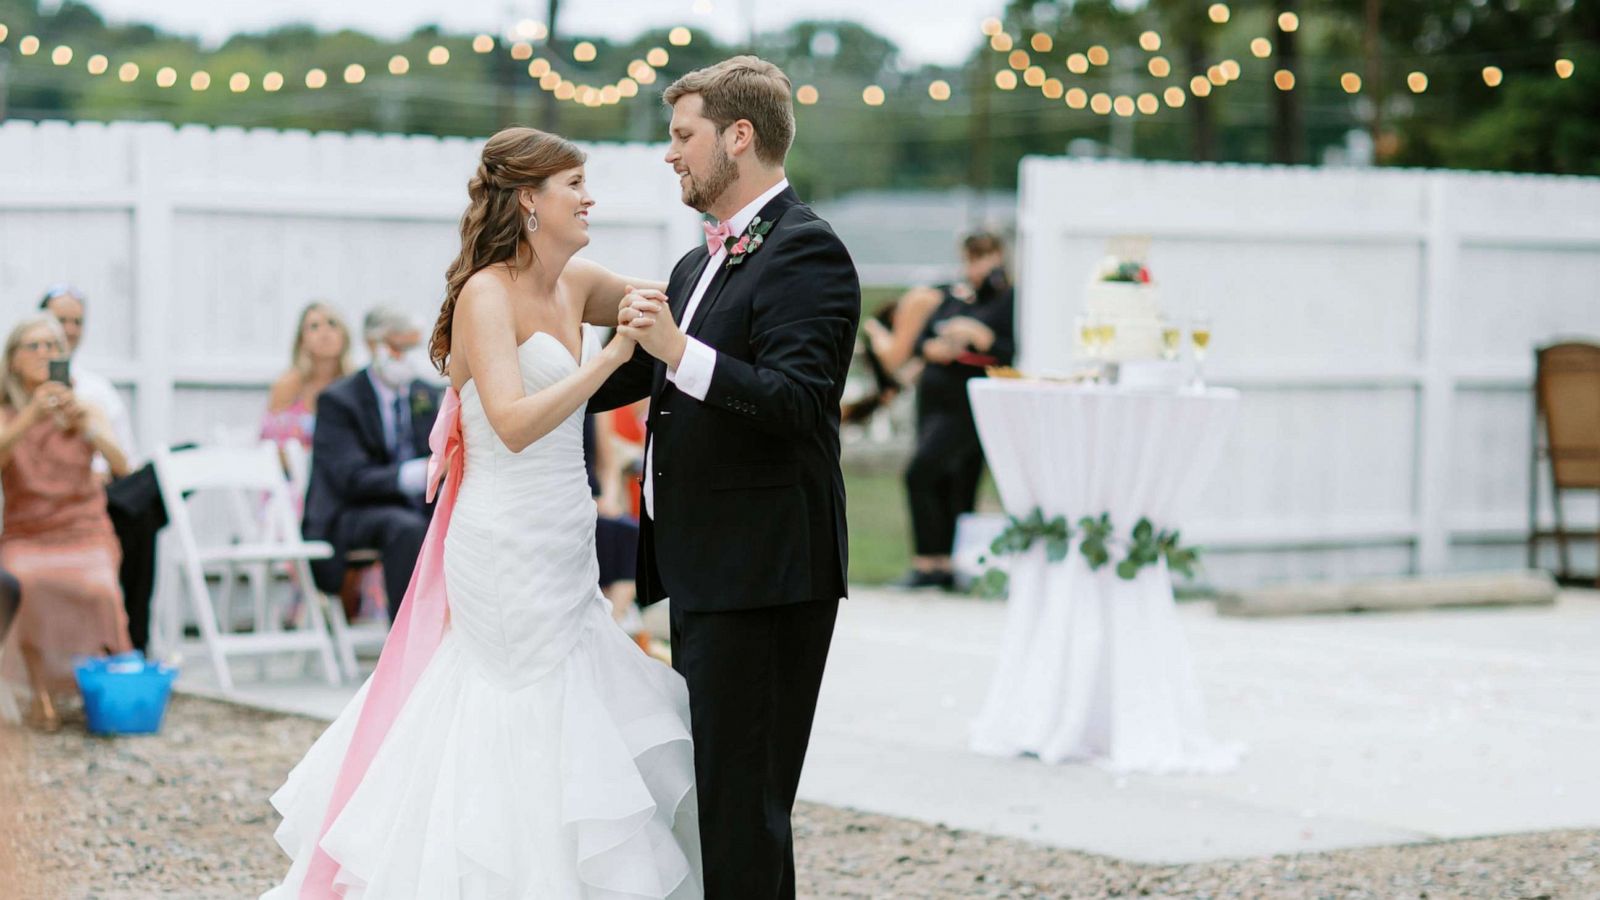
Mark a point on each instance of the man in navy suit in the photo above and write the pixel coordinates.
(369, 459)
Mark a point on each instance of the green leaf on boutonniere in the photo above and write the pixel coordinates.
(421, 403)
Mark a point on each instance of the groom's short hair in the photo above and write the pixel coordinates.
(744, 87)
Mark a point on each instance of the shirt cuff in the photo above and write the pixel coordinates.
(414, 477)
(693, 374)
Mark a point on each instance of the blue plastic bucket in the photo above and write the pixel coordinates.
(124, 694)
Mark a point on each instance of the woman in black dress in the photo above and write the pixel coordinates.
(970, 330)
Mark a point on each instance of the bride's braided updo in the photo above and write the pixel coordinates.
(493, 227)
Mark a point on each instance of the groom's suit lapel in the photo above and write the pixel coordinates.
(774, 210)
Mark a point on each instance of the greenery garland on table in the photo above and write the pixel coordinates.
(1145, 547)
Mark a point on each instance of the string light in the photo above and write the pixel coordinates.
(539, 68)
(61, 55)
(1042, 43)
(1174, 96)
(1077, 64)
(872, 96)
(1284, 79)
(355, 73)
(529, 30)
(166, 77)
(628, 88)
(1351, 82)
(1417, 82)
(200, 81)
(1215, 75)
(1492, 76)
(1219, 13)
(565, 91)
(1077, 98)
(939, 90)
(4, 32)
(399, 65)
(1019, 60)
(1101, 103)
(807, 95)
(128, 71)
(646, 75)
(28, 46)
(1159, 67)
(610, 95)
(1261, 48)
(1005, 80)
(1199, 86)
(1033, 77)
(239, 82)
(991, 27)
(483, 44)
(439, 55)
(316, 79)
(1288, 22)
(1099, 55)
(550, 80)
(585, 52)
(522, 51)
(656, 57)
(98, 64)
(1123, 106)
(1230, 69)
(1000, 43)
(1150, 41)
(679, 37)
(272, 83)
(1148, 104)
(1564, 68)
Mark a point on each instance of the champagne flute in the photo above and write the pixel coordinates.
(1171, 340)
(1200, 336)
(1087, 336)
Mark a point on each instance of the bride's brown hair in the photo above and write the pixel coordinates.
(492, 228)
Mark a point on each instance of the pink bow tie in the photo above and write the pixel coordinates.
(716, 236)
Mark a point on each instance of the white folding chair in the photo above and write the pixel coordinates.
(347, 637)
(242, 472)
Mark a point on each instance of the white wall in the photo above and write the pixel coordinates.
(1381, 324)
(197, 247)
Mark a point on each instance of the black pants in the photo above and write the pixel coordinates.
(942, 480)
(396, 532)
(753, 680)
(10, 600)
(137, 514)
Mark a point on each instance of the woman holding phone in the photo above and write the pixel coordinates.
(56, 537)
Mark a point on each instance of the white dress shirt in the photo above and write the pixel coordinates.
(98, 391)
(693, 375)
(413, 475)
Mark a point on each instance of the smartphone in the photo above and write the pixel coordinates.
(59, 371)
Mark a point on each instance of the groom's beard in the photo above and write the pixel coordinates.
(700, 194)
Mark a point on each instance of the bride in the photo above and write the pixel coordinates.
(513, 741)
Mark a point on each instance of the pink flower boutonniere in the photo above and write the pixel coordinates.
(747, 243)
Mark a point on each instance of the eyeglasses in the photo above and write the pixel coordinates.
(40, 346)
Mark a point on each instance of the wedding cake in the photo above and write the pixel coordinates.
(1122, 303)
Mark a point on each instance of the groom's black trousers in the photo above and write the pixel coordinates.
(753, 680)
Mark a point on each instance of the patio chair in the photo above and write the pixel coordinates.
(1566, 431)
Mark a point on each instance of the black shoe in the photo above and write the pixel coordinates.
(917, 580)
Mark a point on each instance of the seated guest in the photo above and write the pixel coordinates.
(616, 537)
(133, 501)
(320, 356)
(369, 461)
(56, 538)
(969, 330)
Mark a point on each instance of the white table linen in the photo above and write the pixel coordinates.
(1092, 667)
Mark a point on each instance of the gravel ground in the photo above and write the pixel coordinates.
(185, 814)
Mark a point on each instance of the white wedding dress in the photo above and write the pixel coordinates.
(541, 755)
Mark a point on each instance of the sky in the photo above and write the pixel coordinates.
(927, 31)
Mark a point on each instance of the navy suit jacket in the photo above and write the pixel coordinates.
(351, 466)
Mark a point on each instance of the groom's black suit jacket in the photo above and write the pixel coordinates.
(748, 497)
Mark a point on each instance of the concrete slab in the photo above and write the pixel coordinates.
(1363, 730)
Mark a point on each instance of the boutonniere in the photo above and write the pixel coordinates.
(747, 243)
(421, 403)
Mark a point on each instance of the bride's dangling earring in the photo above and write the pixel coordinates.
(533, 221)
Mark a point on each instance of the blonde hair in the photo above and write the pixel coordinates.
(299, 359)
(749, 88)
(15, 394)
(493, 229)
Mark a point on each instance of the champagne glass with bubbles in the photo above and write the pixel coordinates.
(1200, 337)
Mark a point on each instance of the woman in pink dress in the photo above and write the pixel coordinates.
(56, 537)
(321, 356)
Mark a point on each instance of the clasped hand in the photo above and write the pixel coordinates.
(644, 316)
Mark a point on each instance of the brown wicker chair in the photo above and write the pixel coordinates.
(1566, 431)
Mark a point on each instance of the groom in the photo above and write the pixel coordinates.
(744, 524)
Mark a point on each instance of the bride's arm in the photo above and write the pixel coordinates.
(485, 332)
(602, 289)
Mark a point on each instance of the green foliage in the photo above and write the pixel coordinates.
(1144, 546)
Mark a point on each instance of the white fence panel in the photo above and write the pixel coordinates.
(1381, 325)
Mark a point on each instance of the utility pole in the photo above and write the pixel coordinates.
(5, 81)
(1122, 84)
(1374, 80)
(1288, 126)
(551, 119)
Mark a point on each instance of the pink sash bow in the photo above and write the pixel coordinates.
(413, 638)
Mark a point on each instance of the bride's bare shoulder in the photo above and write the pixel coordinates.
(490, 281)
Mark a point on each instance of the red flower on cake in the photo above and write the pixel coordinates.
(1144, 275)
